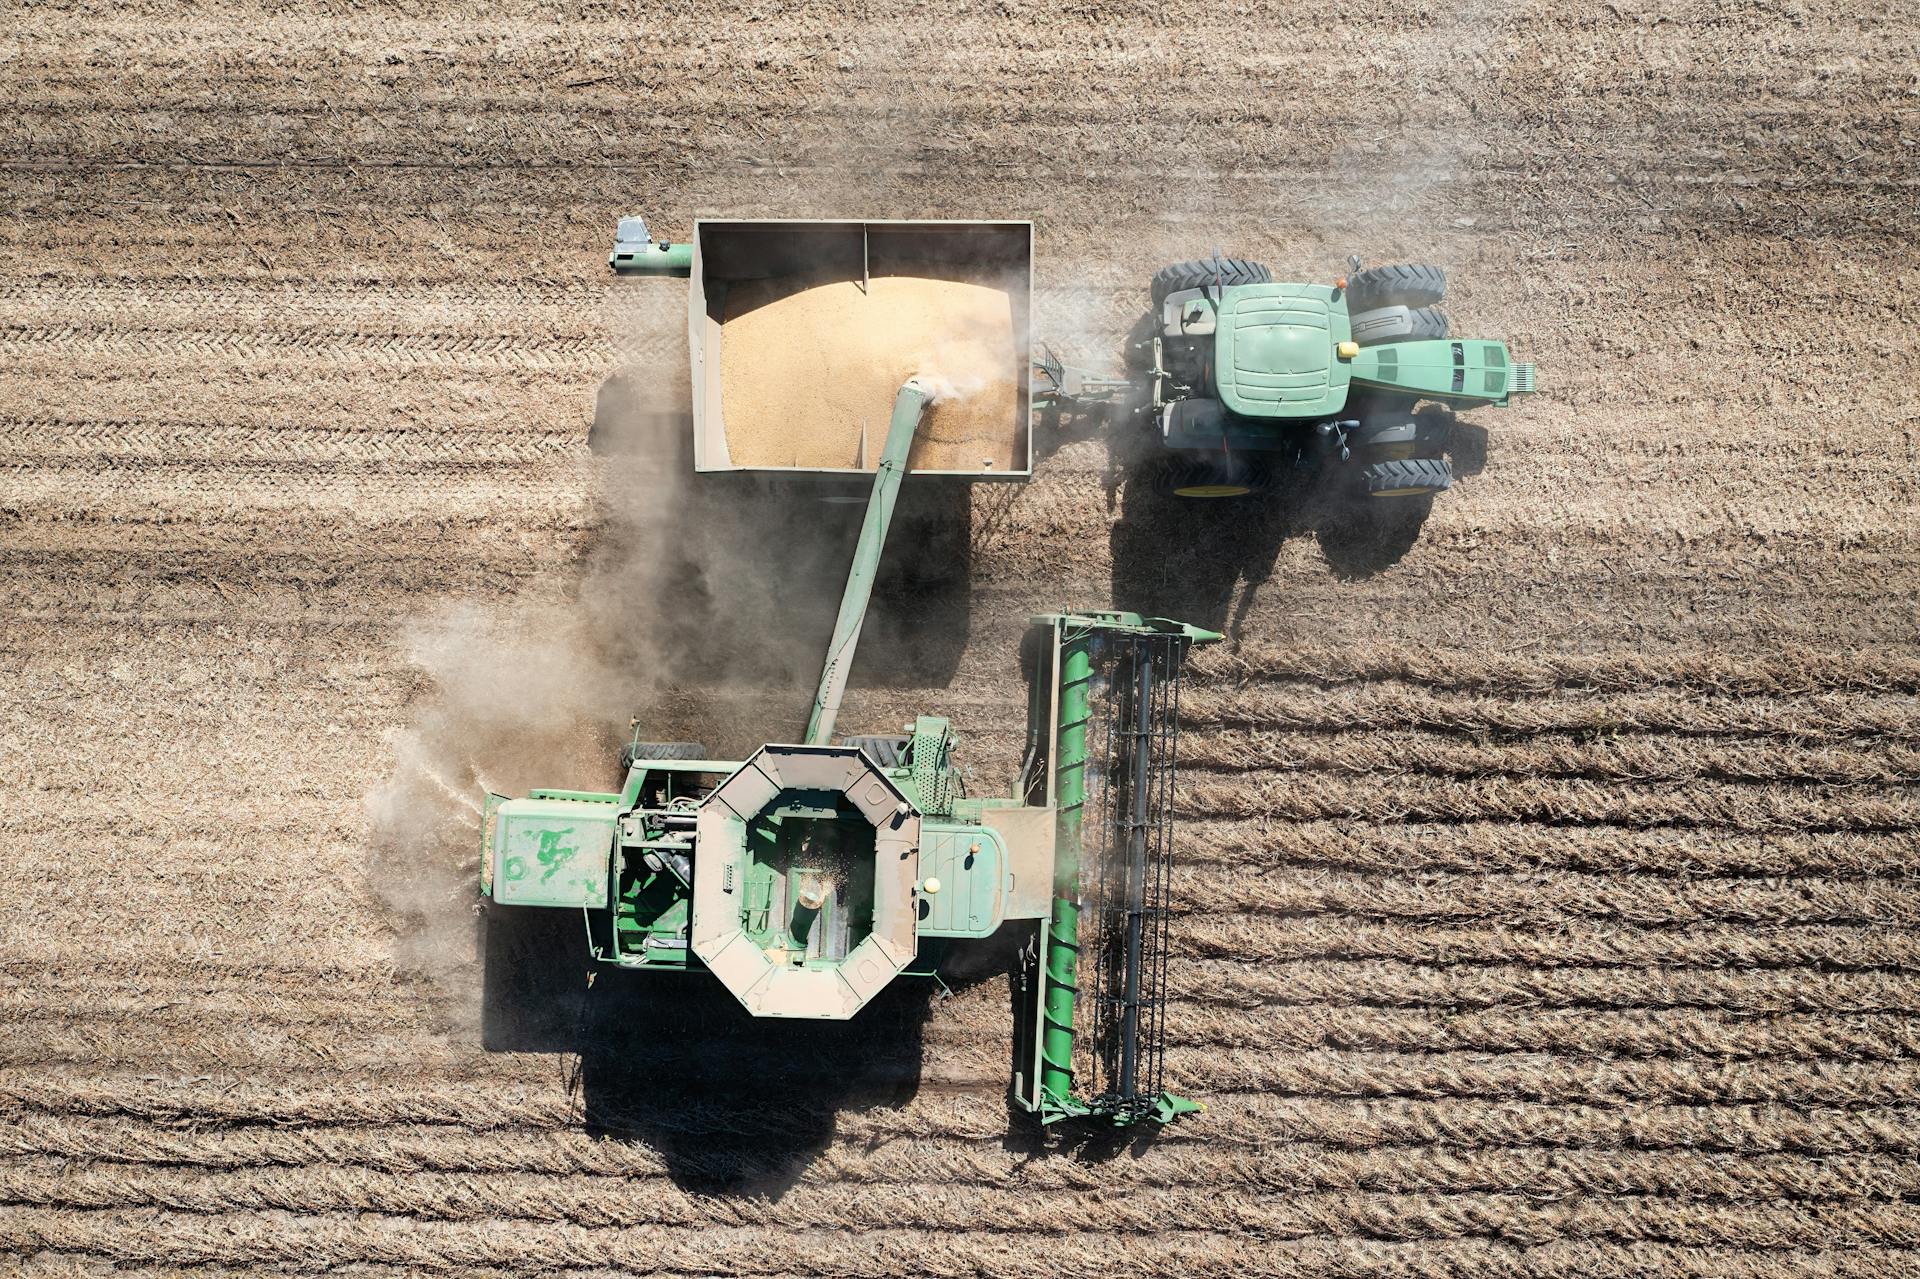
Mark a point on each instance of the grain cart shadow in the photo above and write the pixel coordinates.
(735, 1104)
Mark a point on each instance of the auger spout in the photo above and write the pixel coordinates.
(908, 406)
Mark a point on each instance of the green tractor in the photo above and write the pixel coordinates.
(1235, 376)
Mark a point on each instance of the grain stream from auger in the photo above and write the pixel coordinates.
(1547, 893)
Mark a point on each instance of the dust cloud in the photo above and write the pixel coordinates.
(690, 609)
(518, 699)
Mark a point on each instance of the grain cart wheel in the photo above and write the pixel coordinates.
(1199, 478)
(1413, 477)
(660, 750)
(1377, 286)
(885, 751)
(1200, 274)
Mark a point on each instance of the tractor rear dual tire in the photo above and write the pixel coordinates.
(1411, 284)
(1204, 273)
(660, 750)
(1210, 478)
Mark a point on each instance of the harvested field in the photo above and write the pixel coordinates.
(1548, 880)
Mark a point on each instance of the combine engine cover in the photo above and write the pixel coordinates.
(548, 851)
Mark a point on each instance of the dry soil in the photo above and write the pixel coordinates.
(1549, 892)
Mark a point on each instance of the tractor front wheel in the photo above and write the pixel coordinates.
(1202, 478)
(1413, 285)
(1375, 328)
(1204, 273)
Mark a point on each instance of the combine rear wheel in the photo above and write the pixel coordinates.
(660, 750)
(1411, 285)
(1203, 273)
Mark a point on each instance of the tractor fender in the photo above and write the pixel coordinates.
(1389, 428)
(1189, 313)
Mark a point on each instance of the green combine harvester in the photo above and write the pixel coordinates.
(810, 875)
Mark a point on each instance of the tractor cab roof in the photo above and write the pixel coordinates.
(1275, 350)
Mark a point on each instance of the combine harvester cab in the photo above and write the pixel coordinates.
(810, 875)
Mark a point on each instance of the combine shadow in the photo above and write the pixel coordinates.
(732, 1103)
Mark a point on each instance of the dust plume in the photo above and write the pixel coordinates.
(517, 701)
(688, 607)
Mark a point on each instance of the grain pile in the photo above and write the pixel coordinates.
(809, 368)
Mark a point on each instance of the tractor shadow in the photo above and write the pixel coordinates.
(1205, 561)
(732, 1104)
(733, 580)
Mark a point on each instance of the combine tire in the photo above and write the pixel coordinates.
(1414, 286)
(1204, 478)
(887, 752)
(1203, 273)
(660, 750)
(1414, 477)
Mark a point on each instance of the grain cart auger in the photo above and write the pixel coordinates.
(1232, 375)
(808, 876)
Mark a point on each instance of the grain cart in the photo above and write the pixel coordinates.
(810, 875)
(1232, 374)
